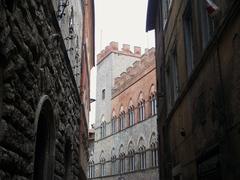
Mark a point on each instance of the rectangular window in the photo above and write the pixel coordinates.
(188, 37)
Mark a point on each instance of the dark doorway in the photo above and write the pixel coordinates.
(45, 141)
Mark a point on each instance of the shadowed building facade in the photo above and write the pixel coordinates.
(197, 52)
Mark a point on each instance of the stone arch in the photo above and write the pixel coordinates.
(121, 149)
(113, 113)
(44, 129)
(140, 96)
(102, 156)
(141, 142)
(131, 145)
(130, 103)
(113, 153)
(152, 90)
(121, 109)
(153, 139)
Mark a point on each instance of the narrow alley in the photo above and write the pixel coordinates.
(119, 89)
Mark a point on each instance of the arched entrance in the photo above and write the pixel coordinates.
(45, 141)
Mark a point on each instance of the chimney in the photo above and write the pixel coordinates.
(126, 47)
(114, 45)
(137, 50)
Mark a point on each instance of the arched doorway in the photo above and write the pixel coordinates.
(45, 141)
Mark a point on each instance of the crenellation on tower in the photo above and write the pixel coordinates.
(113, 47)
(134, 71)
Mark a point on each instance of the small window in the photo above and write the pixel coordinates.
(103, 94)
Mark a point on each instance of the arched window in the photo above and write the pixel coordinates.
(131, 115)
(121, 160)
(45, 140)
(141, 107)
(142, 153)
(113, 162)
(153, 102)
(154, 150)
(103, 128)
(121, 119)
(141, 110)
(131, 157)
(102, 164)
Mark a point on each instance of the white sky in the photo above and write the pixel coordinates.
(123, 21)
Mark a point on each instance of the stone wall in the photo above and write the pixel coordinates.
(37, 90)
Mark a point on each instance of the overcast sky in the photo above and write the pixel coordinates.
(122, 21)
